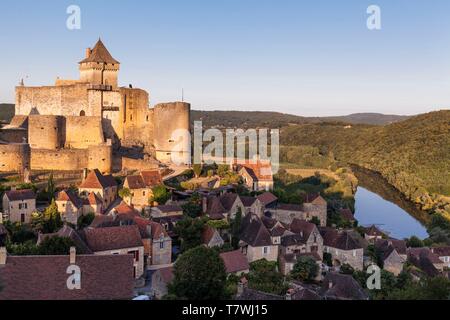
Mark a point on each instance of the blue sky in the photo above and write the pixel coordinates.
(301, 57)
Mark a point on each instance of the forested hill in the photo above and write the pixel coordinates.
(256, 119)
(413, 155)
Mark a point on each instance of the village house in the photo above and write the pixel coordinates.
(122, 240)
(256, 241)
(161, 278)
(235, 262)
(103, 186)
(425, 260)
(166, 211)
(373, 233)
(72, 207)
(252, 205)
(392, 253)
(103, 277)
(211, 237)
(314, 207)
(18, 205)
(257, 175)
(268, 200)
(275, 228)
(343, 248)
(169, 223)
(155, 239)
(141, 188)
(338, 286)
(443, 253)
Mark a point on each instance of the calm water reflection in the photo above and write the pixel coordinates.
(373, 209)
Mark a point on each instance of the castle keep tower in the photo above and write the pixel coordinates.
(99, 67)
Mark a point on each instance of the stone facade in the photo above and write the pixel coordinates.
(138, 253)
(270, 253)
(19, 210)
(354, 257)
(76, 118)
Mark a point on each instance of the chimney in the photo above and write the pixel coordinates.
(3, 255)
(204, 204)
(88, 52)
(73, 255)
(289, 294)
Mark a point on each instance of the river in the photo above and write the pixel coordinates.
(377, 202)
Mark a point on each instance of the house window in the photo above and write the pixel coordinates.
(265, 250)
(143, 193)
(136, 254)
(22, 218)
(161, 245)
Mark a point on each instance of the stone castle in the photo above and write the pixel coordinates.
(85, 123)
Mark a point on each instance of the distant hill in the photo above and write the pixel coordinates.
(413, 155)
(255, 119)
(7, 112)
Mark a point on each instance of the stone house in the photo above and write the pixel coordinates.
(103, 277)
(166, 211)
(275, 228)
(18, 205)
(103, 186)
(316, 207)
(252, 205)
(256, 241)
(268, 200)
(426, 260)
(232, 203)
(123, 240)
(373, 233)
(392, 253)
(71, 207)
(235, 262)
(343, 248)
(211, 237)
(257, 175)
(141, 187)
(444, 255)
(304, 238)
(338, 286)
(161, 278)
(157, 242)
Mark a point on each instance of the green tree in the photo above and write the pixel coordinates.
(197, 168)
(236, 225)
(264, 277)
(85, 220)
(192, 209)
(56, 246)
(48, 222)
(124, 193)
(199, 274)
(190, 232)
(305, 269)
(414, 242)
(50, 189)
(316, 221)
(160, 194)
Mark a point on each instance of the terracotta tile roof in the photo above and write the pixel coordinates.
(303, 227)
(104, 277)
(254, 232)
(314, 198)
(235, 261)
(70, 197)
(125, 209)
(113, 238)
(259, 170)
(338, 286)
(20, 195)
(93, 199)
(207, 234)
(152, 178)
(384, 244)
(134, 182)
(156, 229)
(166, 274)
(67, 232)
(227, 200)
(95, 180)
(100, 54)
(441, 251)
(267, 198)
(340, 240)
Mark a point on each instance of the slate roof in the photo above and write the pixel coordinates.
(95, 180)
(347, 215)
(254, 232)
(441, 251)
(104, 277)
(302, 227)
(248, 201)
(384, 244)
(290, 207)
(338, 286)
(255, 295)
(20, 195)
(169, 208)
(227, 200)
(305, 294)
(113, 238)
(100, 54)
(235, 261)
(374, 231)
(215, 209)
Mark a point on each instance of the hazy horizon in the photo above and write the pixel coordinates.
(294, 57)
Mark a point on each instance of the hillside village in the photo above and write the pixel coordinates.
(133, 236)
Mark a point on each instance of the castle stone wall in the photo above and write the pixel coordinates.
(45, 132)
(100, 157)
(82, 132)
(168, 119)
(14, 157)
(64, 159)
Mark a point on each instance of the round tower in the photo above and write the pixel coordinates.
(171, 133)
